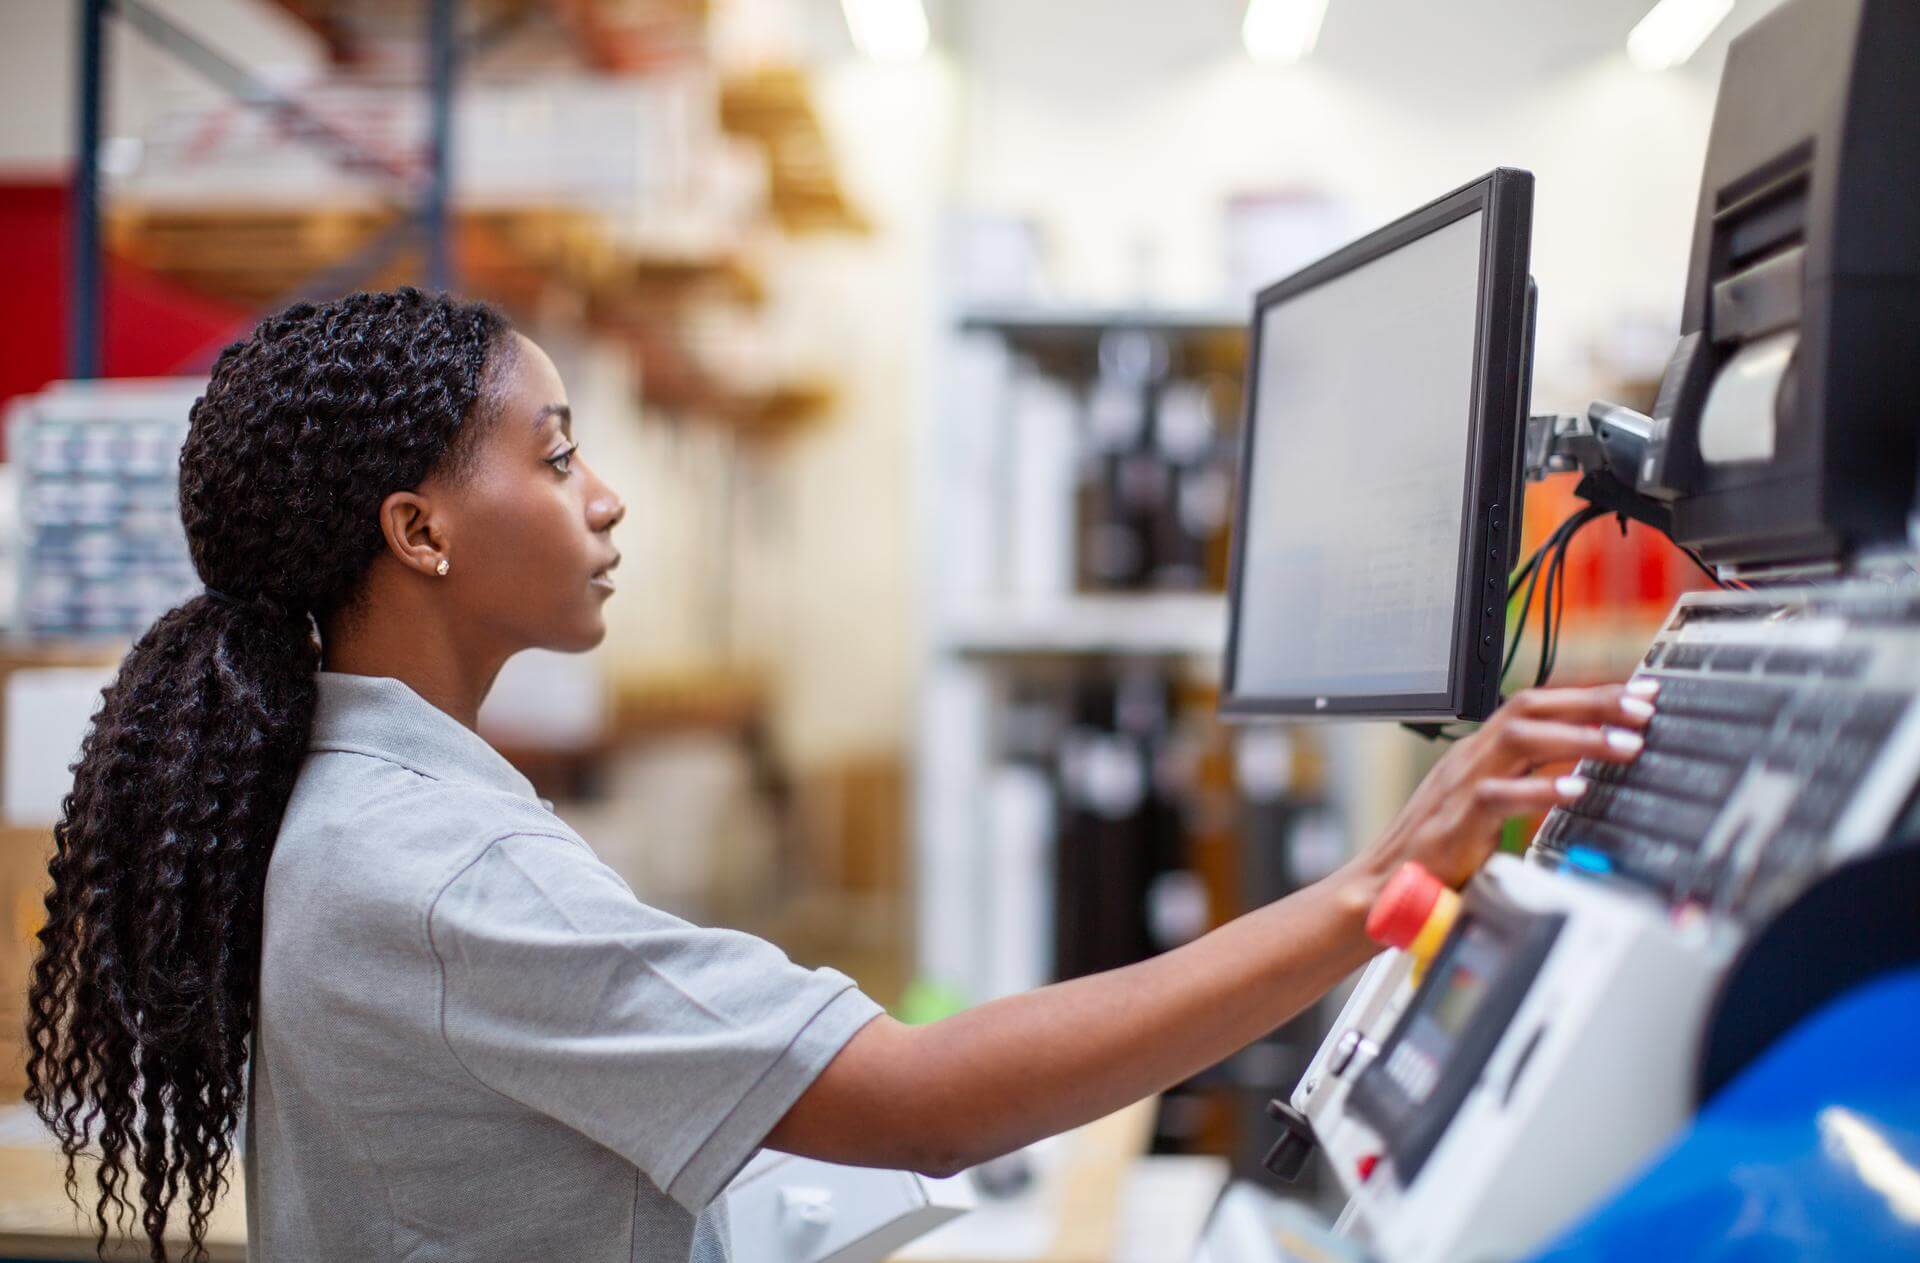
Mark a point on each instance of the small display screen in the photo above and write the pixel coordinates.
(1470, 969)
(1457, 1003)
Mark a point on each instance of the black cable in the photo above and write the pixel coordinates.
(1520, 576)
(1705, 569)
(1526, 572)
(1526, 612)
(1556, 565)
(1560, 615)
(1532, 572)
(1548, 562)
(1554, 607)
(1535, 572)
(1546, 615)
(1555, 602)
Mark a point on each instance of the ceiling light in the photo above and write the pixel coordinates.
(887, 30)
(1282, 30)
(1673, 31)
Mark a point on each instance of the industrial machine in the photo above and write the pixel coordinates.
(1526, 1045)
(1491, 1079)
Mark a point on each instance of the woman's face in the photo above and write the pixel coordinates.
(529, 541)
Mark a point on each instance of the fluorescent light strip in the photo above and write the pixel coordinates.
(887, 30)
(1673, 31)
(1282, 31)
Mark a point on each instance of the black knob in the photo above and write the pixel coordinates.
(1288, 1157)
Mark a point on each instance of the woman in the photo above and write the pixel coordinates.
(461, 1035)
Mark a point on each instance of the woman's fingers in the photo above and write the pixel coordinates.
(1625, 705)
(1521, 745)
(1497, 798)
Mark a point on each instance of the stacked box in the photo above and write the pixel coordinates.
(101, 551)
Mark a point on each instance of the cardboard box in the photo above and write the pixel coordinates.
(48, 694)
(23, 887)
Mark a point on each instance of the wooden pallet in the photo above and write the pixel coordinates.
(774, 108)
(261, 255)
(252, 255)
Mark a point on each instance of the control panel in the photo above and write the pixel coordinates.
(1475, 1105)
(1531, 1040)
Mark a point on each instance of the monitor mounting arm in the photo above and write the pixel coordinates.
(1608, 447)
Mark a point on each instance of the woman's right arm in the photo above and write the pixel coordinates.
(942, 1097)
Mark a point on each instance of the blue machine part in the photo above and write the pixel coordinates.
(1812, 1153)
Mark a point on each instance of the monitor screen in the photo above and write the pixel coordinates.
(1363, 469)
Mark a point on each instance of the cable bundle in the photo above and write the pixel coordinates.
(1550, 560)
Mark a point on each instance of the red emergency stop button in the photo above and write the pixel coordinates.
(1415, 912)
(1404, 905)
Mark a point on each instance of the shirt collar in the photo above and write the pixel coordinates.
(381, 716)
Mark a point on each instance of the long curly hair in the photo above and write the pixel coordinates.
(141, 1002)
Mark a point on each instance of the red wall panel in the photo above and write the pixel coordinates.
(152, 328)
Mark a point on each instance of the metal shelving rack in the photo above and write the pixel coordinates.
(426, 189)
(984, 630)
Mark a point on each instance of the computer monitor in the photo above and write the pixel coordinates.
(1379, 488)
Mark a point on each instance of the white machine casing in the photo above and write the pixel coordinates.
(787, 1209)
(1598, 1062)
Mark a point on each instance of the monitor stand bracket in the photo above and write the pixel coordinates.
(1607, 447)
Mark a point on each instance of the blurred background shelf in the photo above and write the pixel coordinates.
(606, 36)
(1042, 322)
(1190, 624)
(1078, 805)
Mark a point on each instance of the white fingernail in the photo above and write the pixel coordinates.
(1625, 742)
(1635, 706)
(1571, 786)
(1643, 687)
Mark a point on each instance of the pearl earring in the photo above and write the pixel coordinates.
(441, 569)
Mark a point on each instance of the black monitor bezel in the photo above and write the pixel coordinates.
(1500, 399)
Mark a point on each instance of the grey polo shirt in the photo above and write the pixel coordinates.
(473, 1041)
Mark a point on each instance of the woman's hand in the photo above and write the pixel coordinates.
(1452, 822)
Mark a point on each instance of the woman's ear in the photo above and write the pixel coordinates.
(414, 535)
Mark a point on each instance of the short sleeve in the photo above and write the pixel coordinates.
(675, 1046)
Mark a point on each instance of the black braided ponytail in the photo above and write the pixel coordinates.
(141, 1002)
